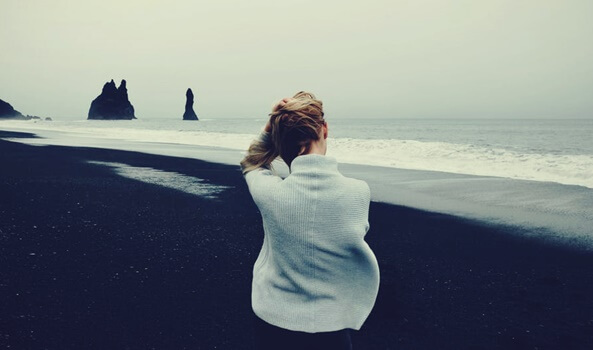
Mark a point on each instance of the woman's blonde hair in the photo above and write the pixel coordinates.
(294, 127)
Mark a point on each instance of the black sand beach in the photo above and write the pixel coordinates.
(93, 260)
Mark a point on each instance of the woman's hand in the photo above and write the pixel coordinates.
(280, 104)
(275, 108)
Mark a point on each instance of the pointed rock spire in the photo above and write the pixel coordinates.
(189, 114)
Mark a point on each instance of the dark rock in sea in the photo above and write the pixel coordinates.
(7, 112)
(48, 119)
(189, 106)
(112, 104)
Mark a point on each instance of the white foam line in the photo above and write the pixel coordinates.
(576, 169)
(188, 184)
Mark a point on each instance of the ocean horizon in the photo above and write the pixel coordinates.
(527, 149)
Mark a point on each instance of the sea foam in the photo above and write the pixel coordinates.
(458, 158)
(176, 181)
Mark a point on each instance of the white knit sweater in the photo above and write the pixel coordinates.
(315, 272)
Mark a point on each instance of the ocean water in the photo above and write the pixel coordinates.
(535, 175)
(558, 151)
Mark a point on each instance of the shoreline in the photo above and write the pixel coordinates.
(556, 212)
(401, 152)
(93, 259)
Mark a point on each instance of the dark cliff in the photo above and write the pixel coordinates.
(7, 112)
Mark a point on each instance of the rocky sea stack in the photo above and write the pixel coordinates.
(112, 104)
(7, 112)
(189, 106)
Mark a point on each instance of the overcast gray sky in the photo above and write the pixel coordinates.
(407, 59)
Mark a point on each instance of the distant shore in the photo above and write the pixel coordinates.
(91, 259)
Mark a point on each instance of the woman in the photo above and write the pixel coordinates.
(315, 277)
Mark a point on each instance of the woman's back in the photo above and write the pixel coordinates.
(315, 272)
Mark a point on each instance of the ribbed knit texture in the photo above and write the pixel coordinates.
(315, 272)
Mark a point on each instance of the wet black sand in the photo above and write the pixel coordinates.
(92, 260)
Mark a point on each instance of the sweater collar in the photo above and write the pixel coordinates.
(313, 160)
